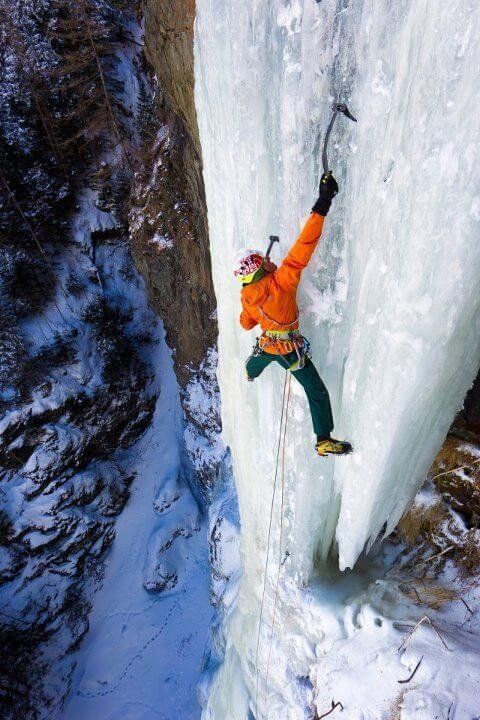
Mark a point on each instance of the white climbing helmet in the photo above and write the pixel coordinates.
(247, 261)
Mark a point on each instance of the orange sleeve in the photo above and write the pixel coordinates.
(246, 320)
(288, 274)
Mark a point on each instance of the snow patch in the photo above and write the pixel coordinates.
(161, 241)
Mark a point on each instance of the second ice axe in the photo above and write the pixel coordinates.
(273, 239)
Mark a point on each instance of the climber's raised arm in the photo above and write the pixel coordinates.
(289, 272)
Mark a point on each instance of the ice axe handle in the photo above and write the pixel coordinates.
(336, 108)
(273, 239)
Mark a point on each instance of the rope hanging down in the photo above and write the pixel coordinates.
(280, 537)
(281, 436)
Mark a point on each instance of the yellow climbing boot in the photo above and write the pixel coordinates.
(330, 446)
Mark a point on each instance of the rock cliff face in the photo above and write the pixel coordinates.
(169, 48)
(468, 419)
(169, 222)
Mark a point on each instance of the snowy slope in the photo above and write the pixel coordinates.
(143, 655)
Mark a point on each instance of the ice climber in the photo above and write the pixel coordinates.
(269, 300)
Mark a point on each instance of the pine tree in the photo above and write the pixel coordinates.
(60, 107)
(12, 352)
(33, 176)
(87, 32)
(145, 114)
(121, 183)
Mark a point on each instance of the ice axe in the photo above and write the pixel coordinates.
(336, 108)
(273, 239)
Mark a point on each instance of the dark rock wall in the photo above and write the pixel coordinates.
(169, 219)
(468, 418)
(169, 48)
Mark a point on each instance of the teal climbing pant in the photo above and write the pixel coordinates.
(308, 377)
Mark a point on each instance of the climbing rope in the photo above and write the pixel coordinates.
(280, 537)
(262, 604)
(282, 433)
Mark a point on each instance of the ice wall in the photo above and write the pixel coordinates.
(391, 300)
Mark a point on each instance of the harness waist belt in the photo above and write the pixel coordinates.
(282, 343)
(282, 334)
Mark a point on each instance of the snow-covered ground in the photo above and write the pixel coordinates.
(352, 638)
(149, 629)
(142, 657)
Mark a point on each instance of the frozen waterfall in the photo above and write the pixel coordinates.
(390, 302)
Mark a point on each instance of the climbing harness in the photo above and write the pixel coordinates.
(283, 343)
(283, 425)
(336, 108)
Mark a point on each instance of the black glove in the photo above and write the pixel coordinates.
(327, 191)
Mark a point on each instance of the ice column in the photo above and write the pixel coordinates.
(390, 302)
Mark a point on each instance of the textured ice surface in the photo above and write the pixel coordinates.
(390, 302)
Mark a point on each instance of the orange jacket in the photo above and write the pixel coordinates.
(272, 301)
